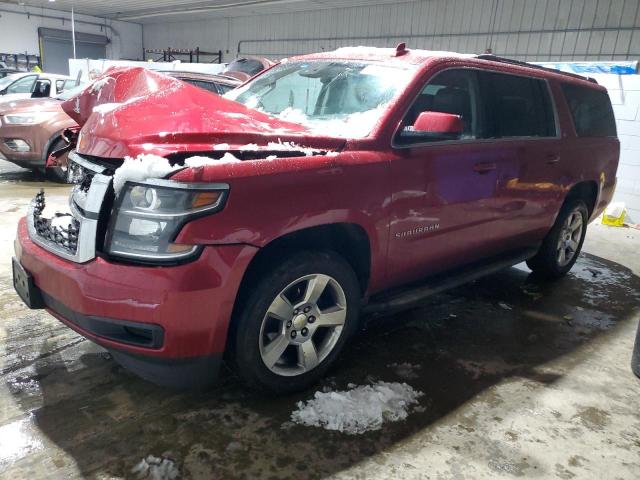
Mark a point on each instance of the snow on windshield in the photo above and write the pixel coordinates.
(336, 98)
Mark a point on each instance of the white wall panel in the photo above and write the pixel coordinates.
(19, 32)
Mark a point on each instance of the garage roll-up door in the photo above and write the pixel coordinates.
(56, 48)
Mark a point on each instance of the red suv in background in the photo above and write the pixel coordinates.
(258, 226)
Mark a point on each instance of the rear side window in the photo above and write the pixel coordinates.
(517, 106)
(245, 65)
(225, 88)
(210, 86)
(591, 111)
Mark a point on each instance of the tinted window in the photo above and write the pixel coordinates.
(210, 86)
(518, 106)
(452, 91)
(591, 111)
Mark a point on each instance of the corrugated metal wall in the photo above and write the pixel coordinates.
(524, 29)
(624, 91)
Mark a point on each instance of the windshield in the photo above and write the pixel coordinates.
(67, 94)
(8, 80)
(337, 98)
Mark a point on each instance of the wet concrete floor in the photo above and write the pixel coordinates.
(520, 379)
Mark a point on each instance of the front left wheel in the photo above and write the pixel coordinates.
(295, 321)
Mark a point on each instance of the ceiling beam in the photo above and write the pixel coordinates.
(199, 8)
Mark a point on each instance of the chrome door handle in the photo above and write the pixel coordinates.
(552, 158)
(482, 168)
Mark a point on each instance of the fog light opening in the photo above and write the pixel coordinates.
(17, 145)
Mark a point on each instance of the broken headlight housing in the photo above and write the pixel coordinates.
(148, 217)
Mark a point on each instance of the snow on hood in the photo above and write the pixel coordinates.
(132, 110)
(146, 166)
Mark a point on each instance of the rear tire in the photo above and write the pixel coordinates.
(562, 245)
(295, 322)
(57, 174)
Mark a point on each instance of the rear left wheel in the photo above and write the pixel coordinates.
(561, 247)
(296, 321)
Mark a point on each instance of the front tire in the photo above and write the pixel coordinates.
(562, 245)
(296, 321)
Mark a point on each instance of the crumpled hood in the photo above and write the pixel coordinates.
(31, 105)
(133, 110)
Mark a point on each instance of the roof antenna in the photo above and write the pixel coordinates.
(401, 49)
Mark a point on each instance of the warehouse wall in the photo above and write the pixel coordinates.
(19, 32)
(524, 29)
(624, 91)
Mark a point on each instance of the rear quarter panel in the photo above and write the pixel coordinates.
(587, 159)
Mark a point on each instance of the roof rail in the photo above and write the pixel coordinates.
(494, 58)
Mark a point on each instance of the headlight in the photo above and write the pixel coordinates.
(148, 217)
(28, 118)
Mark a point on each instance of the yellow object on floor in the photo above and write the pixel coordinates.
(614, 215)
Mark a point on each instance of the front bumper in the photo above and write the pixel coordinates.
(190, 304)
(22, 159)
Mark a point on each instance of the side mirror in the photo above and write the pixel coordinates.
(439, 124)
(3, 92)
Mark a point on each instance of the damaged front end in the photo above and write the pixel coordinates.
(135, 111)
(72, 235)
(138, 129)
(138, 225)
(70, 138)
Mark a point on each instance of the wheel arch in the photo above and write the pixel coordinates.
(586, 190)
(350, 240)
(49, 144)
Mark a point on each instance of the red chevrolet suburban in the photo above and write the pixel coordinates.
(259, 226)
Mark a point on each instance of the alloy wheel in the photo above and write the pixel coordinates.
(569, 240)
(302, 325)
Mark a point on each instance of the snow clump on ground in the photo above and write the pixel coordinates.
(405, 370)
(358, 410)
(155, 468)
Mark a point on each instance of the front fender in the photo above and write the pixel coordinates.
(272, 198)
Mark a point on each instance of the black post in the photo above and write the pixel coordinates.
(635, 358)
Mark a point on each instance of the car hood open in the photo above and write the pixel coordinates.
(132, 110)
